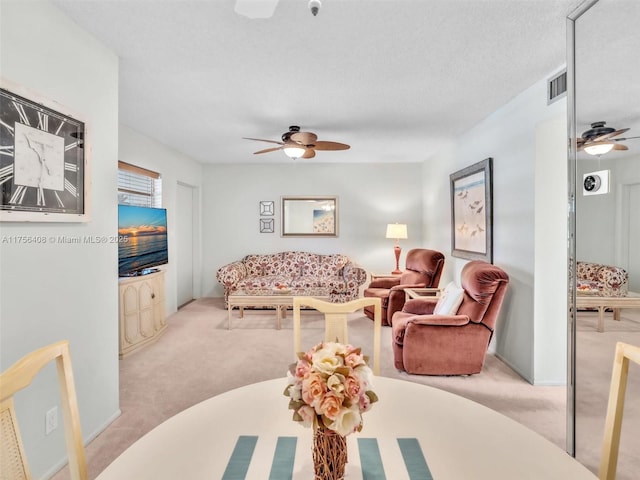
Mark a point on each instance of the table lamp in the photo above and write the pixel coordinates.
(397, 231)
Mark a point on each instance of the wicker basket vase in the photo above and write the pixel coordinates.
(329, 454)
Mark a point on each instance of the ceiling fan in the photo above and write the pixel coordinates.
(297, 144)
(599, 140)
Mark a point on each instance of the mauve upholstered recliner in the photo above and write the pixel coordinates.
(423, 269)
(428, 344)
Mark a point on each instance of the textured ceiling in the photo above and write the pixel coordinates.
(395, 79)
(608, 69)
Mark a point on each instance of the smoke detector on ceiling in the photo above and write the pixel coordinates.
(314, 6)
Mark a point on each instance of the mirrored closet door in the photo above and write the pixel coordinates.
(607, 218)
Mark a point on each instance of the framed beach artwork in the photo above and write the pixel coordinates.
(472, 212)
(309, 216)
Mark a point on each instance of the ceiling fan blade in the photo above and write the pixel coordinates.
(321, 145)
(309, 153)
(256, 8)
(616, 146)
(267, 150)
(590, 143)
(608, 135)
(263, 140)
(304, 138)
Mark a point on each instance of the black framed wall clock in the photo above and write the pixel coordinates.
(43, 160)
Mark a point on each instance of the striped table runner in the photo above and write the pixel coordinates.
(289, 458)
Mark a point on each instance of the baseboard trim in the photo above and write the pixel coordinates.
(103, 427)
(525, 377)
(513, 367)
(63, 462)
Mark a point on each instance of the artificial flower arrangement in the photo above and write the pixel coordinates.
(329, 387)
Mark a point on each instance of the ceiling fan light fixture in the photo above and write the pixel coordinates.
(294, 152)
(599, 148)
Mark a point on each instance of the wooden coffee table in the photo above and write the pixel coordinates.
(632, 300)
(261, 297)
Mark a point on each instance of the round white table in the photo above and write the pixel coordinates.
(458, 439)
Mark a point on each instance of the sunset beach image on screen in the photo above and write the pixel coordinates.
(143, 238)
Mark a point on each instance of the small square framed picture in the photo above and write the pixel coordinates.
(266, 225)
(267, 208)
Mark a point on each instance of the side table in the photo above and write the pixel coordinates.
(422, 292)
(375, 276)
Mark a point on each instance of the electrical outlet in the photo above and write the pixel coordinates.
(51, 420)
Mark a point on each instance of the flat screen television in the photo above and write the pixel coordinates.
(142, 244)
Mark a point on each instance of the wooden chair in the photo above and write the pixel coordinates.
(336, 322)
(14, 464)
(615, 408)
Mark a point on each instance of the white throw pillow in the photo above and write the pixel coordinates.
(450, 300)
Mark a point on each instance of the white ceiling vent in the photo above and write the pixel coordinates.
(556, 87)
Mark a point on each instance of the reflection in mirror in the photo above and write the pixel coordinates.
(309, 216)
(607, 219)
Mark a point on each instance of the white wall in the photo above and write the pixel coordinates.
(369, 197)
(550, 252)
(54, 291)
(596, 214)
(509, 137)
(174, 167)
(595, 217)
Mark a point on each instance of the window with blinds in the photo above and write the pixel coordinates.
(138, 186)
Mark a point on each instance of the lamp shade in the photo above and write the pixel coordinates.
(397, 231)
(294, 152)
(599, 148)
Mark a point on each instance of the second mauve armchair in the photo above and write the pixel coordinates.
(423, 270)
(455, 342)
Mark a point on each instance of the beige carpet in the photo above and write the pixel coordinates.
(595, 353)
(198, 357)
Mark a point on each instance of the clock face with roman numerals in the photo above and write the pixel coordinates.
(42, 158)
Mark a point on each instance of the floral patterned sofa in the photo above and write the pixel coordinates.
(602, 280)
(333, 274)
